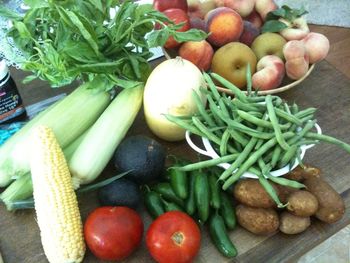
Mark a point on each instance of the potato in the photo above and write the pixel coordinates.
(291, 224)
(331, 206)
(284, 192)
(251, 193)
(302, 203)
(300, 174)
(260, 221)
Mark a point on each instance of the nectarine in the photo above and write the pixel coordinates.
(199, 53)
(162, 5)
(250, 32)
(224, 24)
(231, 61)
(255, 18)
(242, 7)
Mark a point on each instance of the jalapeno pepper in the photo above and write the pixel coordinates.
(202, 195)
(178, 181)
(227, 211)
(214, 192)
(190, 203)
(219, 236)
(153, 203)
(166, 192)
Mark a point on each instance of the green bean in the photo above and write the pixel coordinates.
(267, 186)
(306, 112)
(224, 140)
(289, 117)
(294, 108)
(207, 134)
(309, 125)
(260, 122)
(307, 142)
(253, 159)
(185, 125)
(212, 86)
(329, 139)
(224, 109)
(249, 80)
(241, 138)
(213, 109)
(288, 155)
(275, 124)
(240, 159)
(255, 114)
(307, 118)
(201, 109)
(207, 163)
(276, 155)
(245, 106)
(236, 91)
(284, 181)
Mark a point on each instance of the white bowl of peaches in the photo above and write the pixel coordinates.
(275, 42)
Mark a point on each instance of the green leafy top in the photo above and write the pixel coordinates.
(64, 40)
(272, 23)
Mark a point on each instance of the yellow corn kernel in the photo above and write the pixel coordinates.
(55, 201)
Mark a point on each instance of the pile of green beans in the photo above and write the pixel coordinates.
(251, 132)
(197, 193)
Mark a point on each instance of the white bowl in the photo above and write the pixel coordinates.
(210, 152)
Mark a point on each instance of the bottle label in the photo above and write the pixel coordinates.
(10, 102)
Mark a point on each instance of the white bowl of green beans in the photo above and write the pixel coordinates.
(209, 151)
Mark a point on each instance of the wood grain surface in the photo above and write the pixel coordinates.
(328, 88)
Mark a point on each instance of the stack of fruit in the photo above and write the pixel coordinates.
(274, 41)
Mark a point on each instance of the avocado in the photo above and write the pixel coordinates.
(144, 156)
(121, 192)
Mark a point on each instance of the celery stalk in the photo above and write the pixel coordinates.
(97, 148)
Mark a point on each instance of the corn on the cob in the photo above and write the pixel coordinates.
(99, 144)
(68, 119)
(55, 201)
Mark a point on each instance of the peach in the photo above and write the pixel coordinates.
(269, 74)
(199, 8)
(250, 32)
(255, 18)
(263, 7)
(199, 53)
(296, 68)
(294, 49)
(224, 25)
(196, 22)
(317, 46)
(162, 5)
(296, 30)
(242, 7)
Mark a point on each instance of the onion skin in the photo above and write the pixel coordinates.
(168, 90)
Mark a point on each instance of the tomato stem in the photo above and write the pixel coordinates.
(178, 238)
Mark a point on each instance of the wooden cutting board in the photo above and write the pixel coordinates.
(326, 88)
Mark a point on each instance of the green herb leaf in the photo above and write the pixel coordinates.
(157, 38)
(273, 26)
(190, 35)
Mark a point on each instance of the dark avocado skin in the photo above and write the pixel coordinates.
(143, 155)
(121, 192)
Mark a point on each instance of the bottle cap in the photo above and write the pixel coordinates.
(3, 69)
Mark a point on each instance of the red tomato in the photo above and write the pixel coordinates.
(173, 237)
(162, 5)
(177, 16)
(113, 233)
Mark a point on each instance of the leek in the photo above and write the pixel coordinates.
(97, 148)
(68, 119)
